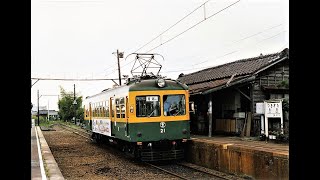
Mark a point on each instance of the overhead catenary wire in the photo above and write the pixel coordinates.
(181, 70)
(240, 40)
(205, 18)
(193, 26)
(236, 41)
(172, 26)
(252, 35)
(254, 43)
(68, 79)
(283, 46)
(159, 36)
(247, 37)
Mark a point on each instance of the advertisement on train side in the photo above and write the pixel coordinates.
(102, 126)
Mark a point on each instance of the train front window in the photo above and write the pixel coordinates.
(147, 106)
(174, 105)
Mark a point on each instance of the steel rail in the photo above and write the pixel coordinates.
(174, 174)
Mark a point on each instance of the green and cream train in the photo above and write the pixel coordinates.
(147, 117)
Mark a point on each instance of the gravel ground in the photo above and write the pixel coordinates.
(79, 158)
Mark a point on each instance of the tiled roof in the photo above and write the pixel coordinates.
(224, 72)
(200, 87)
(210, 79)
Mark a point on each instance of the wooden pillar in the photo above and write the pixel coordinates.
(210, 114)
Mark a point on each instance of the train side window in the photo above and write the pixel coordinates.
(147, 106)
(112, 106)
(99, 110)
(86, 110)
(94, 110)
(107, 109)
(103, 111)
(122, 108)
(118, 108)
(123, 111)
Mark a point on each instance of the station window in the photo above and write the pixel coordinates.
(147, 106)
(174, 105)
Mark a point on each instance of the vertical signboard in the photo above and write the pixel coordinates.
(273, 109)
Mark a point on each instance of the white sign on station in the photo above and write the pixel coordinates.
(260, 108)
(273, 109)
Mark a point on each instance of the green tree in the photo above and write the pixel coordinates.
(67, 109)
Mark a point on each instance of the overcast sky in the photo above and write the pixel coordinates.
(76, 38)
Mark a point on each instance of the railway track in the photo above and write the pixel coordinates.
(181, 170)
(189, 171)
(76, 131)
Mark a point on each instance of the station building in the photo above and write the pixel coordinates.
(225, 96)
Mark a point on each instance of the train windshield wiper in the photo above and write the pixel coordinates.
(177, 113)
(151, 113)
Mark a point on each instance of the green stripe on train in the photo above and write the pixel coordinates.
(152, 131)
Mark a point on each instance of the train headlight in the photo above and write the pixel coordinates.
(161, 82)
(184, 131)
(139, 134)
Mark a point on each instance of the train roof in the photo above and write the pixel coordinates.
(145, 85)
(151, 84)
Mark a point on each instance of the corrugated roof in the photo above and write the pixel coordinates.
(225, 71)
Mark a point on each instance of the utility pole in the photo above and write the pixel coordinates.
(119, 67)
(74, 91)
(38, 108)
(119, 55)
(74, 103)
(48, 111)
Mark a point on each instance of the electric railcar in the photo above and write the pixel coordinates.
(147, 117)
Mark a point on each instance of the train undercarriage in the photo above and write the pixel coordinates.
(162, 150)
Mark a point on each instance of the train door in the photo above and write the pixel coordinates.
(112, 115)
(127, 116)
(90, 116)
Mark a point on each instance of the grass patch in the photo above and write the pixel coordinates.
(46, 168)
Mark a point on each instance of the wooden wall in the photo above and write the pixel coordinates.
(272, 77)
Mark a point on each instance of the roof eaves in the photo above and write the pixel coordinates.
(250, 78)
(270, 65)
(237, 61)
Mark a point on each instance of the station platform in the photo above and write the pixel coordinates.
(245, 157)
(241, 156)
(43, 164)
